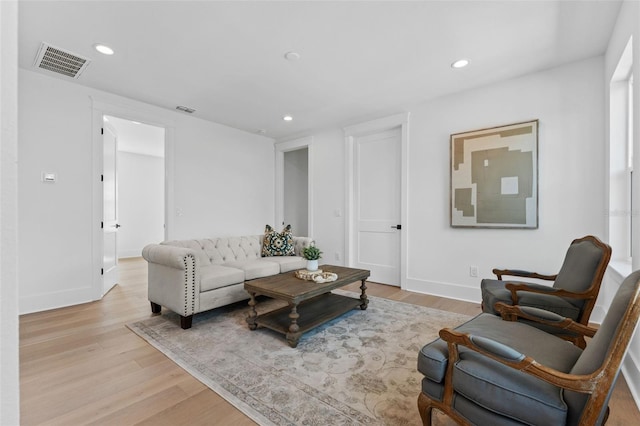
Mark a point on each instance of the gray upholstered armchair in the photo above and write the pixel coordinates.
(494, 372)
(574, 291)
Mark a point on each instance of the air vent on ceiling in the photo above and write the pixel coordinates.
(60, 61)
(185, 109)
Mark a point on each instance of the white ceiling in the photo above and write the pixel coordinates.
(359, 60)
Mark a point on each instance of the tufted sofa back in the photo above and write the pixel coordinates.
(215, 251)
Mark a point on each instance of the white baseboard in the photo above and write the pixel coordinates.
(54, 300)
(123, 254)
(448, 290)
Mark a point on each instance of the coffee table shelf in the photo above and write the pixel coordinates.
(309, 304)
(313, 312)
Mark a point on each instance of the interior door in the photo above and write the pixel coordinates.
(110, 209)
(377, 184)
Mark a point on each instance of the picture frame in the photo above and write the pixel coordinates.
(494, 177)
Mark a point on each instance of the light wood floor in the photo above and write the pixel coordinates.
(81, 365)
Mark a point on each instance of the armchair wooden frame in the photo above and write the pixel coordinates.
(589, 295)
(597, 384)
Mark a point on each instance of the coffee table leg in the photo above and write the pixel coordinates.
(293, 336)
(363, 296)
(253, 314)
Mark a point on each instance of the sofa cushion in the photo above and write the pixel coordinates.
(277, 244)
(256, 268)
(217, 276)
(227, 249)
(289, 263)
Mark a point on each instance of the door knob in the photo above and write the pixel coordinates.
(117, 225)
(396, 226)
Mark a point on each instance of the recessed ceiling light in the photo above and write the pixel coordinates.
(292, 56)
(460, 63)
(287, 118)
(104, 49)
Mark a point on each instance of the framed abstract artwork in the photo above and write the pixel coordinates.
(494, 177)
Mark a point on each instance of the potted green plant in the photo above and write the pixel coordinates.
(312, 254)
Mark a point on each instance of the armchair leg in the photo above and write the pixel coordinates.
(425, 409)
(155, 308)
(185, 322)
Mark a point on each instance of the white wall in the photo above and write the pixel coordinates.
(569, 104)
(224, 181)
(140, 202)
(568, 101)
(9, 362)
(628, 25)
(222, 185)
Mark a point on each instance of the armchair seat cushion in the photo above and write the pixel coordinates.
(494, 386)
(494, 291)
(218, 276)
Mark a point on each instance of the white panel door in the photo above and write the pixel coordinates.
(110, 211)
(377, 205)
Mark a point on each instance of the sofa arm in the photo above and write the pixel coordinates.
(174, 278)
(299, 243)
(172, 256)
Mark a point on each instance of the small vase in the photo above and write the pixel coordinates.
(312, 265)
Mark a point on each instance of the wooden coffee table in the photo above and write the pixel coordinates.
(309, 304)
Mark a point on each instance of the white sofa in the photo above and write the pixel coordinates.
(192, 276)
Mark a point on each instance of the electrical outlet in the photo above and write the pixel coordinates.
(473, 271)
(337, 256)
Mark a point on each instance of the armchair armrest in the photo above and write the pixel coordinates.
(496, 348)
(514, 288)
(520, 273)
(542, 316)
(514, 359)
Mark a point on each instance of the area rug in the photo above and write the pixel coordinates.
(357, 369)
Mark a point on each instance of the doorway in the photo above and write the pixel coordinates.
(294, 188)
(133, 191)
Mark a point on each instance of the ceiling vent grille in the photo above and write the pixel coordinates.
(185, 109)
(60, 61)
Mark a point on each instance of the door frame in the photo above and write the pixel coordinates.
(100, 108)
(280, 149)
(350, 134)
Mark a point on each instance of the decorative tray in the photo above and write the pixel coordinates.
(316, 276)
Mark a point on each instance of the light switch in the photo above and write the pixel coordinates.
(48, 177)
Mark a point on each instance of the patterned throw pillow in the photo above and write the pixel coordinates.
(277, 244)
